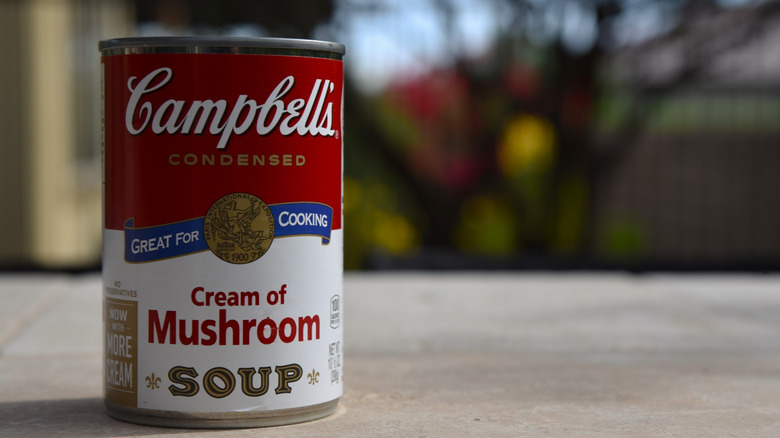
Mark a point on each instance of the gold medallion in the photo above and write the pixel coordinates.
(239, 228)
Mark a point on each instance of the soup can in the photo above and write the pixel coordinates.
(222, 235)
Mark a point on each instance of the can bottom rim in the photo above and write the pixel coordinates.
(221, 420)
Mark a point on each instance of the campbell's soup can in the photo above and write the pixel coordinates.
(222, 240)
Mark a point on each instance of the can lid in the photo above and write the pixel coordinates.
(215, 44)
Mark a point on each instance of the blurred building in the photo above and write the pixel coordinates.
(50, 123)
(689, 167)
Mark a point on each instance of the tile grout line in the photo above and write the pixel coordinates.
(21, 322)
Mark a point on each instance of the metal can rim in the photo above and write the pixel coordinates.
(216, 44)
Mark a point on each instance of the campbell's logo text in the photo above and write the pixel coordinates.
(312, 116)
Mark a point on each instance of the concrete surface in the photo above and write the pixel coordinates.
(458, 355)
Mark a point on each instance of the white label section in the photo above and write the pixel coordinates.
(218, 337)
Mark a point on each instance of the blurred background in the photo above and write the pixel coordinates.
(479, 134)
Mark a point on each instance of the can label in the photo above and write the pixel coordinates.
(222, 258)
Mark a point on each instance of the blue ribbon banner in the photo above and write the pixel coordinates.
(303, 219)
(163, 241)
(182, 238)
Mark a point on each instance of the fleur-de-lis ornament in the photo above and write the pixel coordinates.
(314, 377)
(152, 382)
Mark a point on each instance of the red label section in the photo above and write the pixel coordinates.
(183, 130)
